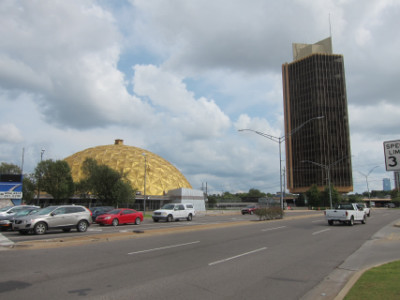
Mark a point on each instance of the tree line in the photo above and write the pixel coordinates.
(99, 181)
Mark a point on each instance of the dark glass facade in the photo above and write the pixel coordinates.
(315, 86)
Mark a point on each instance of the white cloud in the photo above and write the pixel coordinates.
(9, 133)
(195, 118)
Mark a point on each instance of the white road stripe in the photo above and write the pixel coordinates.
(269, 229)
(321, 231)
(5, 241)
(163, 248)
(237, 256)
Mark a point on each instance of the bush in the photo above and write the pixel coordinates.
(269, 213)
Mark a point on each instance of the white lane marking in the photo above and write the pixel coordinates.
(237, 256)
(321, 231)
(163, 248)
(317, 221)
(5, 241)
(269, 229)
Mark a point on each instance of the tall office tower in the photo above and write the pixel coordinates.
(317, 150)
(386, 184)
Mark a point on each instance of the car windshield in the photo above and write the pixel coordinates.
(5, 208)
(46, 210)
(114, 212)
(168, 206)
(24, 212)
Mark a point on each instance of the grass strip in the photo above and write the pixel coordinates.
(378, 283)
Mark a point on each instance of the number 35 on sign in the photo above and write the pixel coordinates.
(392, 155)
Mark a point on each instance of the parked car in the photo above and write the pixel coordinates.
(390, 205)
(7, 221)
(65, 217)
(174, 212)
(99, 210)
(249, 209)
(366, 209)
(120, 216)
(10, 210)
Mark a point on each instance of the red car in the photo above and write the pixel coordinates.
(120, 216)
(249, 209)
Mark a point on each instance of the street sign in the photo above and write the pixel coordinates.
(392, 155)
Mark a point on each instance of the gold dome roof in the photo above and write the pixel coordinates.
(161, 176)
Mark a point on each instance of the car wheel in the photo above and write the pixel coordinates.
(40, 228)
(66, 229)
(330, 222)
(82, 226)
(115, 222)
(189, 217)
(137, 221)
(169, 218)
(351, 222)
(364, 220)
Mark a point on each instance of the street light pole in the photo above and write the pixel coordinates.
(144, 191)
(328, 171)
(279, 140)
(38, 194)
(366, 179)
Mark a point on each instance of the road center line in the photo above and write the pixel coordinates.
(237, 256)
(269, 229)
(321, 231)
(163, 248)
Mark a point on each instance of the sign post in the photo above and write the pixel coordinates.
(392, 155)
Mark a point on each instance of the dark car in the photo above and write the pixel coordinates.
(99, 210)
(249, 209)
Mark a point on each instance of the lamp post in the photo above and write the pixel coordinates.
(328, 171)
(40, 177)
(366, 179)
(279, 140)
(144, 191)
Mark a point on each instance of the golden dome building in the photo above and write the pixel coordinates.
(148, 173)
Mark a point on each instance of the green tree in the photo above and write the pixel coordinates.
(6, 168)
(313, 196)
(301, 201)
(106, 184)
(55, 178)
(354, 198)
(396, 198)
(325, 201)
(28, 188)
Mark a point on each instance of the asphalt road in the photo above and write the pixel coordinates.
(262, 260)
(211, 218)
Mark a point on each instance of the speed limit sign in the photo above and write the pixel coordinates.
(392, 155)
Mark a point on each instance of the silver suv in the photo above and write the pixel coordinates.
(63, 217)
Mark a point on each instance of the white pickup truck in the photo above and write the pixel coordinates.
(174, 212)
(346, 213)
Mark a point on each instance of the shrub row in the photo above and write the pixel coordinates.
(269, 213)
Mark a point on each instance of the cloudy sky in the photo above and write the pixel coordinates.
(180, 77)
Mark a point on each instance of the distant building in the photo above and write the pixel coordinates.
(386, 184)
(314, 85)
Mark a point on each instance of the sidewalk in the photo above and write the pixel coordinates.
(384, 247)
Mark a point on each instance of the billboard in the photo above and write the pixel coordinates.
(11, 186)
(392, 155)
